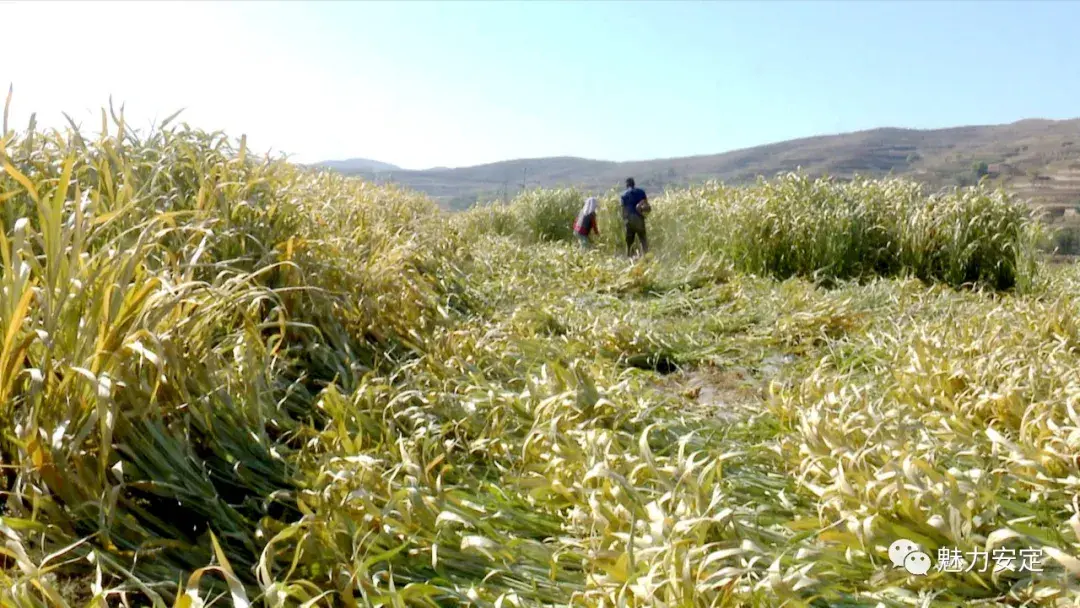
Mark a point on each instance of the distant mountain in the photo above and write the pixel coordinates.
(357, 165)
(1037, 159)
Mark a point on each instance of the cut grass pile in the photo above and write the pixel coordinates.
(226, 379)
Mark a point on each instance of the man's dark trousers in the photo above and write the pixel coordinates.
(635, 229)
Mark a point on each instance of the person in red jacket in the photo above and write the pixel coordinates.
(586, 222)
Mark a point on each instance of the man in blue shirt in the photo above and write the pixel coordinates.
(633, 218)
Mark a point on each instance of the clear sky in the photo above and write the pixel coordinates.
(454, 84)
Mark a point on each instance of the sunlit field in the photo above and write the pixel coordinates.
(226, 380)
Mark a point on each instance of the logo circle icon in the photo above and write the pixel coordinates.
(900, 549)
(917, 563)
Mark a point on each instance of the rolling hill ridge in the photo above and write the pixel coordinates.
(1038, 159)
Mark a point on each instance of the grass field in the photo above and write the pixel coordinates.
(227, 381)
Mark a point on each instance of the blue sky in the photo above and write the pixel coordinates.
(445, 83)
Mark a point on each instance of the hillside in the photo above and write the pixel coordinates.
(357, 165)
(1038, 159)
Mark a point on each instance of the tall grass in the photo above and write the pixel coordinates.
(820, 228)
(173, 308)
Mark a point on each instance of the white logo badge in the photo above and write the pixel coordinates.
(917, 563)
(909, 556)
